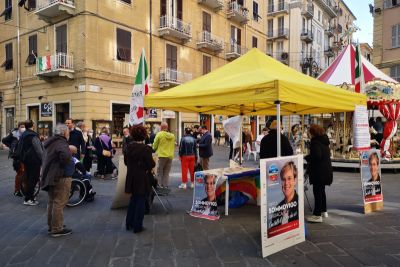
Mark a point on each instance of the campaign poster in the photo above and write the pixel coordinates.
(371, 180)
(282, 203)
(361, 129)
(204, 196)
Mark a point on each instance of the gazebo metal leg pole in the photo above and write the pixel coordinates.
(278, 128)
(302, 133)
(241, 143)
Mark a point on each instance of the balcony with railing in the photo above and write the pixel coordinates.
(281, 8)
(216, 5)
(237, 13)
(308, 11)
(210, 42)
(307, 36)
(329, 52)
(329, 31)
(336, 46)
(58, 65)
(282, 33)
(233, 51)
(50, 9)
(328, 7)
(174, 27)
(170, 77)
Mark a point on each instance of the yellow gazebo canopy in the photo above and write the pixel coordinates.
(252, 85)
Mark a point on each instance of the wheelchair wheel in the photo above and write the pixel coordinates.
(77, 194)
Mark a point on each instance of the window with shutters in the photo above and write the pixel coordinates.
(206, 22)
(281, 23)
(270, 47)
(7, 12)
(236, 35)
(270, 28)
(396, 36)
(61, 39)
(8, 63)
(32, 52)
(206, 64)
(395, 72)
(172, 8)
(124, 45)
(172, 61)
(254, 41)
(31, 5)
(255, 11)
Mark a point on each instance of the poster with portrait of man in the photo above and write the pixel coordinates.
(282, 203)
(204, 196)
(371, 180)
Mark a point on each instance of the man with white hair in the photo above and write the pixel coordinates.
(57, 170)
(164, 145)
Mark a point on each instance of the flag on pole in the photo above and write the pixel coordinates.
(232, 127)
(140, 89)
(359, 74)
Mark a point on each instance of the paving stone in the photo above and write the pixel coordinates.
(321, 259)
(208, 262)
(121, 262)
(331, 249)
(347, 261)
(307, 247)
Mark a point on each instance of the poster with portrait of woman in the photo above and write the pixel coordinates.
(282, 203)
(204, 196)
(371, 180)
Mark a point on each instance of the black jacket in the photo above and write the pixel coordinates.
(30, 149)
(319, 161)
(268, 145)
(205, 146)
(139, 161)
(56, 157)
(76, 139)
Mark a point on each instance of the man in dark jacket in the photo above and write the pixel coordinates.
(269, 145)
(205, 147)
(76, 138)
(30, 152)
(11, 141)
(57, 170)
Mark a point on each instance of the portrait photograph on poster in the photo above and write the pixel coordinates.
(282, 203)
(371, 180)
(204, 196)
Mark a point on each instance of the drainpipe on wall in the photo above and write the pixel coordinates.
(151, 41)
(18, 82)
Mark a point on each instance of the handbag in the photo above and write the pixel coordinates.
(105, 153)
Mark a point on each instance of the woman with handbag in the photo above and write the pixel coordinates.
(139, 161)
(103, 146)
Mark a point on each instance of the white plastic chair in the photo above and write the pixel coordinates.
(251, 152)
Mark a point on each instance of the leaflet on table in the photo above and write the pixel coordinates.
(371, 180)
(204, 196)
(282, 203)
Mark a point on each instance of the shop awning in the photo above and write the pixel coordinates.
(252, 85)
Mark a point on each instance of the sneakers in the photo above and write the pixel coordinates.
(182, 186)
(314, 219)
(324, 214)
(31, 203)
(191, 185)
(63, 232)
(18, 194)
(49, 230)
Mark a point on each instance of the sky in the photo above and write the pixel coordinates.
(360, 9)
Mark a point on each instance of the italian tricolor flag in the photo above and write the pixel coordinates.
(44, 63)
(359, 75)
(140, 89)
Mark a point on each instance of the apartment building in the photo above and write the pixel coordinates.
(307, 35)
(386, 43)
(77, 58)
(366, 51)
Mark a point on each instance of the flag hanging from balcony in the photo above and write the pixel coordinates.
(44, 63)
(140, 89)
(359, 75)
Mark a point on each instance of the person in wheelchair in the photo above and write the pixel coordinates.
(81, 174)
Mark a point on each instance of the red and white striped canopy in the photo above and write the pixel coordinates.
(342, 70)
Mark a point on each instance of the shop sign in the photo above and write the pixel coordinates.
(168, 114)
(152, 113)
(46, 109)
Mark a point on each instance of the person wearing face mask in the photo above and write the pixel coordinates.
(11, 141)
(126, 138)
(88, 158)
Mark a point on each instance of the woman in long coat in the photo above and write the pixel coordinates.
(139, 161)
(320, 171)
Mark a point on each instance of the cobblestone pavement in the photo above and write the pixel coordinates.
(346, 238)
